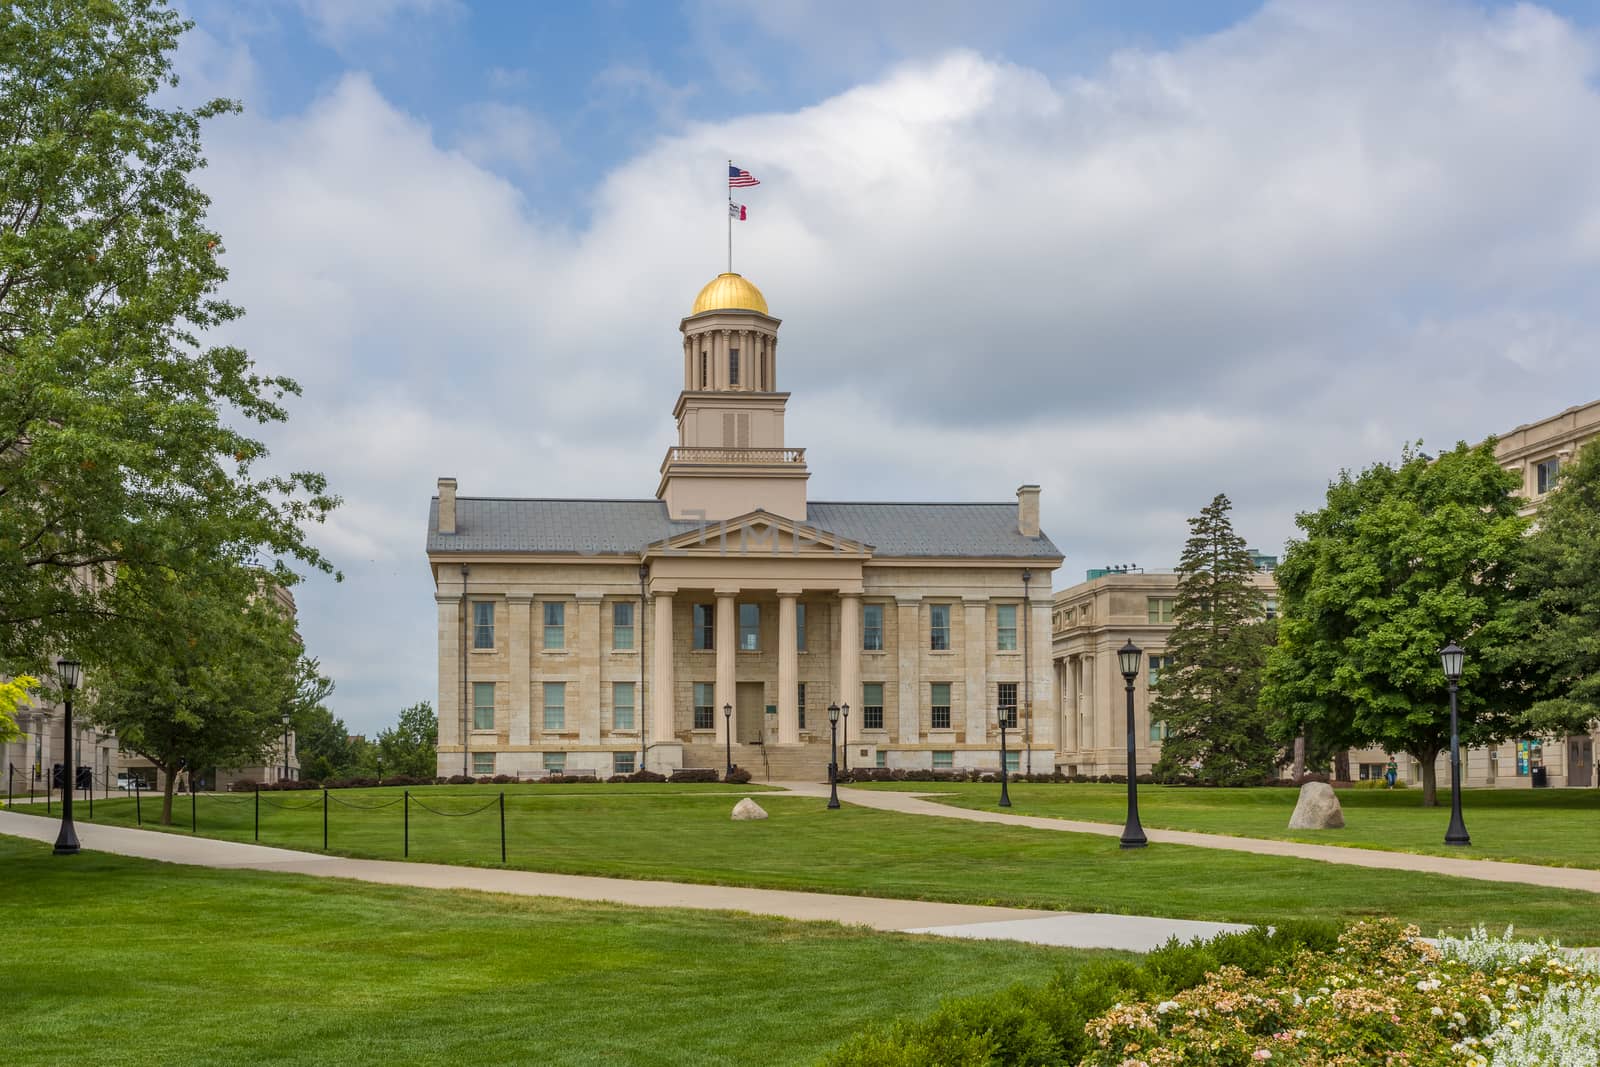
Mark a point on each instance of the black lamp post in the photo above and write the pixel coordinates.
(67, 840)
(285, 777)
(844, 709)
(1130, 656)
(1451, 657)
(727, 733)
(1005, 797)
(833, 755)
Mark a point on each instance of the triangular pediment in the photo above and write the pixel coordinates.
(760, 533)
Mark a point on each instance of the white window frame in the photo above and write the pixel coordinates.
(1005, 637)
(558, 689)
(480, 629)
(620, 629)
(478, 688)
(555, 632)
(631, 706)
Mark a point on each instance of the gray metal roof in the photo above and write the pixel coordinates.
(625, 527)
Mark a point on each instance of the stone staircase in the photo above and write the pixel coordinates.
(783, 763)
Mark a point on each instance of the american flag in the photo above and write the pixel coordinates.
(739, 179)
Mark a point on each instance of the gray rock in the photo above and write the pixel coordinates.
(749, 809)
(1318, 809)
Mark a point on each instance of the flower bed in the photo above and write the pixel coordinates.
(1380, 994)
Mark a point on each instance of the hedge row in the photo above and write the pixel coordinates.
(1030, 1026)
(739, 776)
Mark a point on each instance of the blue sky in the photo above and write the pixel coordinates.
(1136, 253)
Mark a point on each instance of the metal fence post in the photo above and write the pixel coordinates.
(258, 810)
(138, 812)
(194, 818)
(324, 820)
(10, 773)
(502, 826)
(91, 802)
(407, 809)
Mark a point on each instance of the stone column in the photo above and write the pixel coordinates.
(908, 649)
(788, 670)
(849, 660)
(727, 641)
(1046, 722)
(586, 647)
(1069, 704)
(663, 720)
(978, 712)
(449, 673)
(519, 667)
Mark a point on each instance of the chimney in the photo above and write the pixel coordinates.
(447, 506)
(1028, 510)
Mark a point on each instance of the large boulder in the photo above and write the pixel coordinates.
(749, 809)
(1318, 809)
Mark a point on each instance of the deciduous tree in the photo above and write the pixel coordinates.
(1400, 560)
(410, 747)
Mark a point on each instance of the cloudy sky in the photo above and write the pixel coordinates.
(1139, 257)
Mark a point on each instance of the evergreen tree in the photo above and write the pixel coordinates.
(1217, 731)
(1398, 562)
(1559, 603)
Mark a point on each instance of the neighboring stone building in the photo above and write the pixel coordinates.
(1090, 622)
(30, 760)
(578, 634)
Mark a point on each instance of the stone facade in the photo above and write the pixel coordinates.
(738, 592)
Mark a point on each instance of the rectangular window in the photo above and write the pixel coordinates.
(872, 627)
(622, 763)
(483, 705)
(702, 368)
(1013, 761)
(482, 763)
(1269, 607)
(622, 625)
(1545, 474)
(733, 366)
(622, 705)
(939, 627)
(1371, 772)
(944, 761)
(872, 706)
(1006, 701)
(482, 624)
(761, 357)
(800, 627)
(705, 706)
(555, 625)
(749, 627)
(1158, 730)
(703, 628)
(939, 705)
(1158, 608)
(1156, 664)
(800, 703)
(882, 759)
(555, 762)
(1005, 627)
(555, 706)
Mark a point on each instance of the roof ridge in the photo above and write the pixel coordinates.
(565, 499)
(925, 503)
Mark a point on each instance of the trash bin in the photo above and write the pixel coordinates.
(1541, 778)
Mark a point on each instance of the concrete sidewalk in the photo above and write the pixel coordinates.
(1482, 870)
(1065, 929)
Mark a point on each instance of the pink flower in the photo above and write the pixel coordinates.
(1262, 1054)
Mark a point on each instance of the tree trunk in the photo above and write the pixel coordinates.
(1341, 766)
(1299, 758)
(166, 795)
(1430, 777)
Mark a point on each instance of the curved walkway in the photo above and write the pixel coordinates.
(1483, 870)
(1067, 929)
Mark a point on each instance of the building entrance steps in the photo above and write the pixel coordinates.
(1065, 929)
(805, 762)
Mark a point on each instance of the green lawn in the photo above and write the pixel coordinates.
(128, 961)
(1555, 827)
(689, 837)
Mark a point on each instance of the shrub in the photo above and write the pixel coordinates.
(485, 779)
(244, 785)
(643, 775)
(503, 779)
(694, 774)
(460, 779)
(740, 776)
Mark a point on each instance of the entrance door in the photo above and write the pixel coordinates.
(749, 713)
(1580, 761)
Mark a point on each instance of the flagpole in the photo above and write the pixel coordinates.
(730, 219)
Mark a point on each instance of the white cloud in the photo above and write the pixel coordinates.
(499, 135)
(338, 20)
(1235, 266)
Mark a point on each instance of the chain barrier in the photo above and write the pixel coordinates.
(367, 807)
(455, 814)
(316, 803)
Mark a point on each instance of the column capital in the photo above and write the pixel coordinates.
(790, 592)
(973, 600)
(850, 594)
(519, 598)
(726, 594)
(588, 595)
(907, 601)
(447, 598)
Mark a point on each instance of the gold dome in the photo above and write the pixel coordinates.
(729, 291)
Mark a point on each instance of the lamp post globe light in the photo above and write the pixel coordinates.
(727, 734)
(844, 709)
(832, 755)
(68, 670)
(1129, 657)
(285, 777)
(1005, 797)
(1451, 657)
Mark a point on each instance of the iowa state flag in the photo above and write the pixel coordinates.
(737, 211)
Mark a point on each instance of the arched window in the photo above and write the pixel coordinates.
(733, 366)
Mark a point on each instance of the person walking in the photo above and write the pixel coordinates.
(1390, 773)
